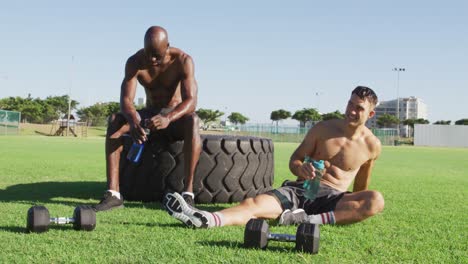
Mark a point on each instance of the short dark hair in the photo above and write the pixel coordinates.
(366, 93)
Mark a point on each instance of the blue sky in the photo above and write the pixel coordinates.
(251, 57)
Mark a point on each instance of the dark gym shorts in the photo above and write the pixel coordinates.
(291, 196)
(175, 130)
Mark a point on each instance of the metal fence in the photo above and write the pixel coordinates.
(295, 134)
(9, 122)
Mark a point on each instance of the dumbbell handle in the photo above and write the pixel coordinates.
(62, 220)
(281, 237)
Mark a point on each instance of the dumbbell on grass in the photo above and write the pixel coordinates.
(38, 220)
(257, 235)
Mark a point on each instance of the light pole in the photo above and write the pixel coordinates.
(398, 70)
(318, 94)
(69, 96)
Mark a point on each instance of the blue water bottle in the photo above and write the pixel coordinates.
(136, 150)
(311, 186)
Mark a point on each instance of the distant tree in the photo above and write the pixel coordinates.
(279, 115)
(32, 110)
(60, 104)
(11, 103)
(333, 115)
(208, 116)
(38, 110)
(387, 120)
(237, 118)
(463, 121)
(412, 122)
(305, 115)
(113, 108)
(97, 114)
(443, 122)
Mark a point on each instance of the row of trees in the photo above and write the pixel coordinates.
(38, 110)
(387, 120)
(97, 114)
(305, 115)
(209, 116)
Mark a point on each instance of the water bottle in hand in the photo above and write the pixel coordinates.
(136, 150)
(311, 186)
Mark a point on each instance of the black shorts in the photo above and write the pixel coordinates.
(173, 132)
(291, 196)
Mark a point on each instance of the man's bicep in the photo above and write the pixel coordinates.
(307, 146)
(189, 84)
(129, 82)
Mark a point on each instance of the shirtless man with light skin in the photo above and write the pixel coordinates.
(167, 75)
(349, 150)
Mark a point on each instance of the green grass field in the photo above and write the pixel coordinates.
(424, 221)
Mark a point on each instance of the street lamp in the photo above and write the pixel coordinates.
(318, 94)
(398, 70)
(69, 96)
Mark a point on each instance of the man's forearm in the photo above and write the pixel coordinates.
(186, 107)
(129, 112)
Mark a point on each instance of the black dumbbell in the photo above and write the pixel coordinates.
(257, 235)
(38, 220)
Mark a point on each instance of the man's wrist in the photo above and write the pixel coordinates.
(133, 121)
(169, 117)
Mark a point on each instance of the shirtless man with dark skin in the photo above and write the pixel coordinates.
(349, 150)
(167, 75)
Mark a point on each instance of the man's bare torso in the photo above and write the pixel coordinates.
(343, 156)
(161, 83)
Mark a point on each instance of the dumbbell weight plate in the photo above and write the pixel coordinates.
(38, 219)
(307, 238)
(85, 218)
(256, 234)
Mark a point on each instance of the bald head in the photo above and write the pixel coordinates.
(156, 36)
(156, 44)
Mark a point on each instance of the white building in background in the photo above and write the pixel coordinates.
(410, 108)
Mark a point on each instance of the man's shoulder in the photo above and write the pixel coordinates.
(331, 124)
(137, 56)
(135, 59)
(181, 56)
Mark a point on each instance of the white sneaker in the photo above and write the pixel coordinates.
(295, 217)
(178, 208)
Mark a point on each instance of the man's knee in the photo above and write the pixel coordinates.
(374, 203)
(114, 123)
(249, 202)
(192, 121)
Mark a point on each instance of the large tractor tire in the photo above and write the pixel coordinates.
(230, 169)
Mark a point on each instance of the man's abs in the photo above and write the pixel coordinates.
(338, 179)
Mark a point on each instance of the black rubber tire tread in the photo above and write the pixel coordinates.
(230, 169)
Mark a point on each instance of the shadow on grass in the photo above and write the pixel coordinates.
(66, 192)
(13, 229)
(20, 229)
(240, 245)
(62, 193)
(42, 133)
(52, 192)
(154, 224)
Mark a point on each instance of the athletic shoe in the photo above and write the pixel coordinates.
(178, 208)
(295, 217)
(188, 199)
(108, 202)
